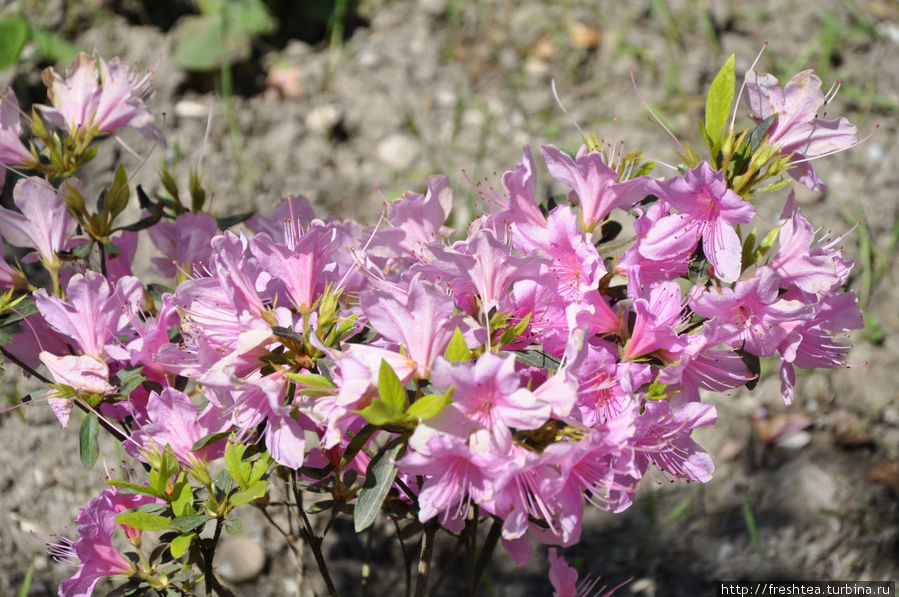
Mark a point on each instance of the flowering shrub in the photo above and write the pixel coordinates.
(545, 359)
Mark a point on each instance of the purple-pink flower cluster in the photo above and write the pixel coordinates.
(535, 368)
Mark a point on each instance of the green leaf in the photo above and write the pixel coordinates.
(52, 47)
(260, 467)
(188, 522)
(286, 333)
(83, 250)
(311, 379)
(116, 200)
(239, 470)
(181, 544)
(208, 440)
(26, 582)
(719, 101)
(127, 380)
(143, 521)
(253, 492)
(746, 255)
(767, 243)
(776, 186)
(457, 351)
(356, 444)
(87, 440)
(202, 44)
(378, 480)
(196, 190)
(13, 35)
(233, 526)
(430, 405)
(170, 186)
(169, 466)
(391, 389)
(135, 488)
(759, 132)
(248, 16)
(510, 334)
(182, 497)
(659, 391)
(537, 358)
(227, 221)
(380, 413)
(644, 169)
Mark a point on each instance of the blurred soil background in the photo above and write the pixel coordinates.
(350, 103)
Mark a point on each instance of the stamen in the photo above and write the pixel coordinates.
(835, 151)
(565, 111)
(832, 92)
(743, 86)
(206, 134)
(657, 119)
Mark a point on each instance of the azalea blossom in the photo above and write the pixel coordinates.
(44, 222)
(93, 552)
(595, 187)
(12, 151)
(707, 210)
(100, 97)
(798, 130)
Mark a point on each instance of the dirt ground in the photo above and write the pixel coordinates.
(458, 87)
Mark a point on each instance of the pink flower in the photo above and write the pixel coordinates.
(184, 243)
(707, 210)
(642, 271)
(575, 262)
(489, 393)
(417, 220)
(662, 437)
(85, 374)
(564, 580)
(423, 325)
(292, 214)
(12, 151)
(519, 202)
(595, 186)
(798, 130)
(175, 422)
(94, 316)
(44, 222)
(701, 366)
(302, 269)
(262, 399)
(658, 318)
(99, 96)
(814, 343)
(455, 476)
(752, 313)
(798, 263)
(93, 552)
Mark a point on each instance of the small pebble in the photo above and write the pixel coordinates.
(398, 151)
(322, 119)
(240, 559)
(191, 109)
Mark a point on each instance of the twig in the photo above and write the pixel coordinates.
(284, 533)
(407, 564)
(366, 561)
(212, 583)
(424, 561)
(486, 555)
(310, 537)
(461, 539)
(24, 366)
